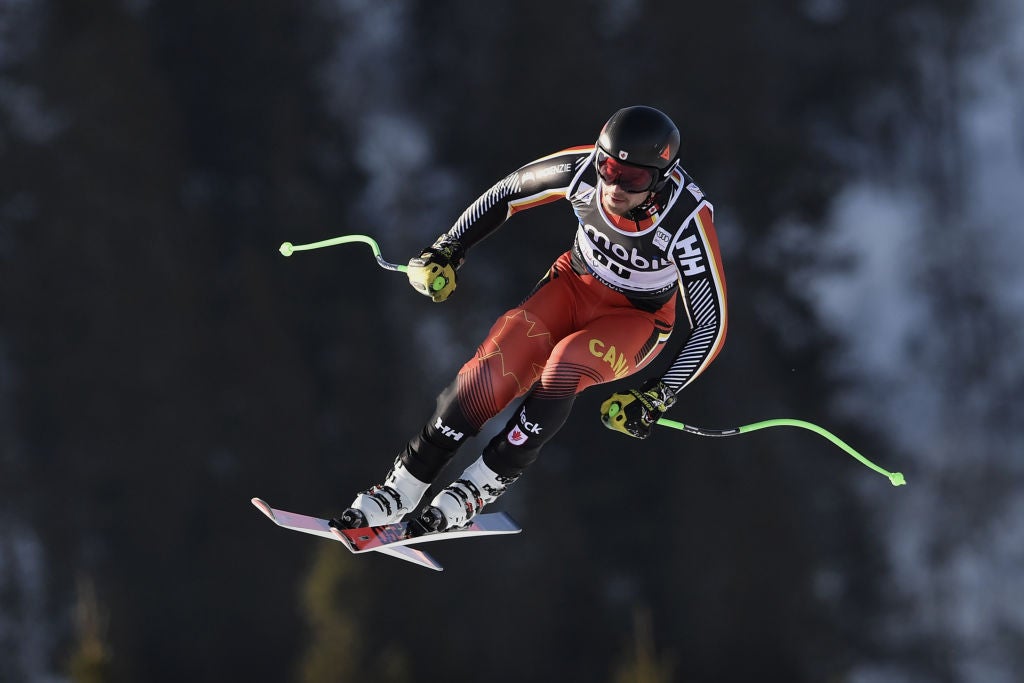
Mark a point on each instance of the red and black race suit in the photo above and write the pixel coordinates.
(604, 311)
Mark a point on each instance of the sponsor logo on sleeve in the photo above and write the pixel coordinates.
(689, 257)
(546, 172)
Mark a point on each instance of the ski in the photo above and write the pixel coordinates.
(321, 527)
(404, 534)
(390, 539)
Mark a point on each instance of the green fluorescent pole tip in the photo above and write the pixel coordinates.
(286, 249)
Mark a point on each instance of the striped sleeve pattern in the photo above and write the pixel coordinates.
(487, 213)
(690, 360)
(538, 182)
(705, 300)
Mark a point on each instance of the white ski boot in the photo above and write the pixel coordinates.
(464, 498)
(387, 503)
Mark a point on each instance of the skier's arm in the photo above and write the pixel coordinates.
(539, 182)
(702, 287)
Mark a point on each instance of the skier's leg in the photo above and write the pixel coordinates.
(610, 348)
(508, 362)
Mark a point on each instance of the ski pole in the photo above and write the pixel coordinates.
(287, 249)
(896, 478)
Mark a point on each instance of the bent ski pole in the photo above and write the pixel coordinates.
(287, 249)
(896, 478)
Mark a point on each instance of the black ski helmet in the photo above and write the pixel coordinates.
(642, 136)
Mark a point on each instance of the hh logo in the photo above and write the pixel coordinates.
(689, 256)
(448, 431)
(516, 437)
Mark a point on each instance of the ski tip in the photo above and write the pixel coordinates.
(263, 507)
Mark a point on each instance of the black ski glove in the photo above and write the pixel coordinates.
(432, 273)
(635, 412)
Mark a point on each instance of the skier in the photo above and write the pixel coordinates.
(603, 311)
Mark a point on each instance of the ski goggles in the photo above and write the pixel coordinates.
(629, 177)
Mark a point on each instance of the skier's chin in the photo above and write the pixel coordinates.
(619, 207)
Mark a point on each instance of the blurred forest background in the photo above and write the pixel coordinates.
(161, 363)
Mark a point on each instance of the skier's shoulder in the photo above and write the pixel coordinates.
(553, 170)
(568, 160)
(688, 194)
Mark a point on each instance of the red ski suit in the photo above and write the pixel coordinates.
(603, 311)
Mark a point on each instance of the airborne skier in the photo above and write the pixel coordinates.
(603, 311)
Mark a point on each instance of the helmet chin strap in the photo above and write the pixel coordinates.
(645, 207)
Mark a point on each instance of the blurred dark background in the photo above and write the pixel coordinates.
(161, 363)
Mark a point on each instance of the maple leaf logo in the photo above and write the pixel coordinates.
(535, 368)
